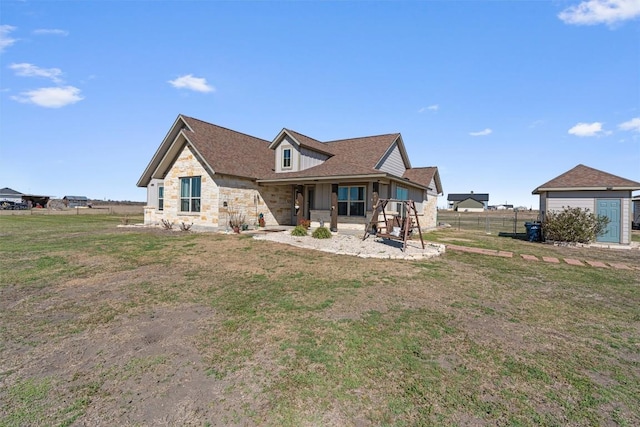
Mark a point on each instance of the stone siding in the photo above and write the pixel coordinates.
(242, 195)
(429, 217)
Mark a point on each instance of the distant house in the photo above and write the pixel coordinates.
(468, 202)
(10, 195)
(202, 173)
(30, 200)
(600, 192)
(75, 201)
(501, 207)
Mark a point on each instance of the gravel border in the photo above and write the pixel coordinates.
(348, 244)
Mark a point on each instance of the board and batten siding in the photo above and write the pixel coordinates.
(301, 158)
(433, 191)
(310, 158)
(392, 162)
(556, 201)
(295, 155)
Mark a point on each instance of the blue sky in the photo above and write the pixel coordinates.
(502, 96)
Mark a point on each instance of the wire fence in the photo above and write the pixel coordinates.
(96, 210)
(510, 222)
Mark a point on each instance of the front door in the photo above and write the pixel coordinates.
(611, 209)
(311, 200)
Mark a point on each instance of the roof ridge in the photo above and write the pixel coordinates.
(302, 134)
(222, 127)
(363, 137)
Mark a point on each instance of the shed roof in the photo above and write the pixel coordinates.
(75, 198)
(584, 177)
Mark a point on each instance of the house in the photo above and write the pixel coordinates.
(10, 195)
(75, 201)
(468, 202)
(202, 173)
(600, 192)
(505, 207)
(30, 200)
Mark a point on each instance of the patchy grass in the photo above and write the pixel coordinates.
(143, 326)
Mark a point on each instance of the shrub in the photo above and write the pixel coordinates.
(299, 231)
(185, 227)
(166, 224)
(321, 233)
(573, 225)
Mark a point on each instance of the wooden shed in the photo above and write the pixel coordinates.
(600, 192)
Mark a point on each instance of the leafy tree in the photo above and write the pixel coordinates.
(573, 225)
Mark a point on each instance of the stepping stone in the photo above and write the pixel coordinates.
(505, 254)
(551, 259)
(597, 264)
(619, 266)
(529, 257)
(573, 262)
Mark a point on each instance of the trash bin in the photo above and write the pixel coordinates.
(533, 231)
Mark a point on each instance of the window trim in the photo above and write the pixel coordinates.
(191, 198)
(285, 158)
(160, 197)
(349, 201)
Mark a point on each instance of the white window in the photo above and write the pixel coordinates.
(351, 201)
(160, 197)
(286, 158)
(190, 194)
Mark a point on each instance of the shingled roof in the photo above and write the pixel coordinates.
(309, 142)
(424, 176)
(366, 151)
(459, 197)
(229, 152)
(583, 177)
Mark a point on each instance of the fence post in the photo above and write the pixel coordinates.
(515, 221)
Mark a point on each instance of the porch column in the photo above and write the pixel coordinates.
(334, 208)
(299, 204)
(374, 200)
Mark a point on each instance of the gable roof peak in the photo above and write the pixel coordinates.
(583, 177)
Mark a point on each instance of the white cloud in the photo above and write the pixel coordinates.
(50, 97)
(29, 70)
(197, 84)
(592, 12)
(50, 32)
(5, 40)
(632, 125)
(434, 107)
(485, 132)
(588, 129)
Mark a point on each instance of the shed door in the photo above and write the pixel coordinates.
(610, 209)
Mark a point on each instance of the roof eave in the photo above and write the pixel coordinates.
(321, 178)
(599, 188)
(146, 176)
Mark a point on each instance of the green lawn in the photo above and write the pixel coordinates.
(134, 326)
